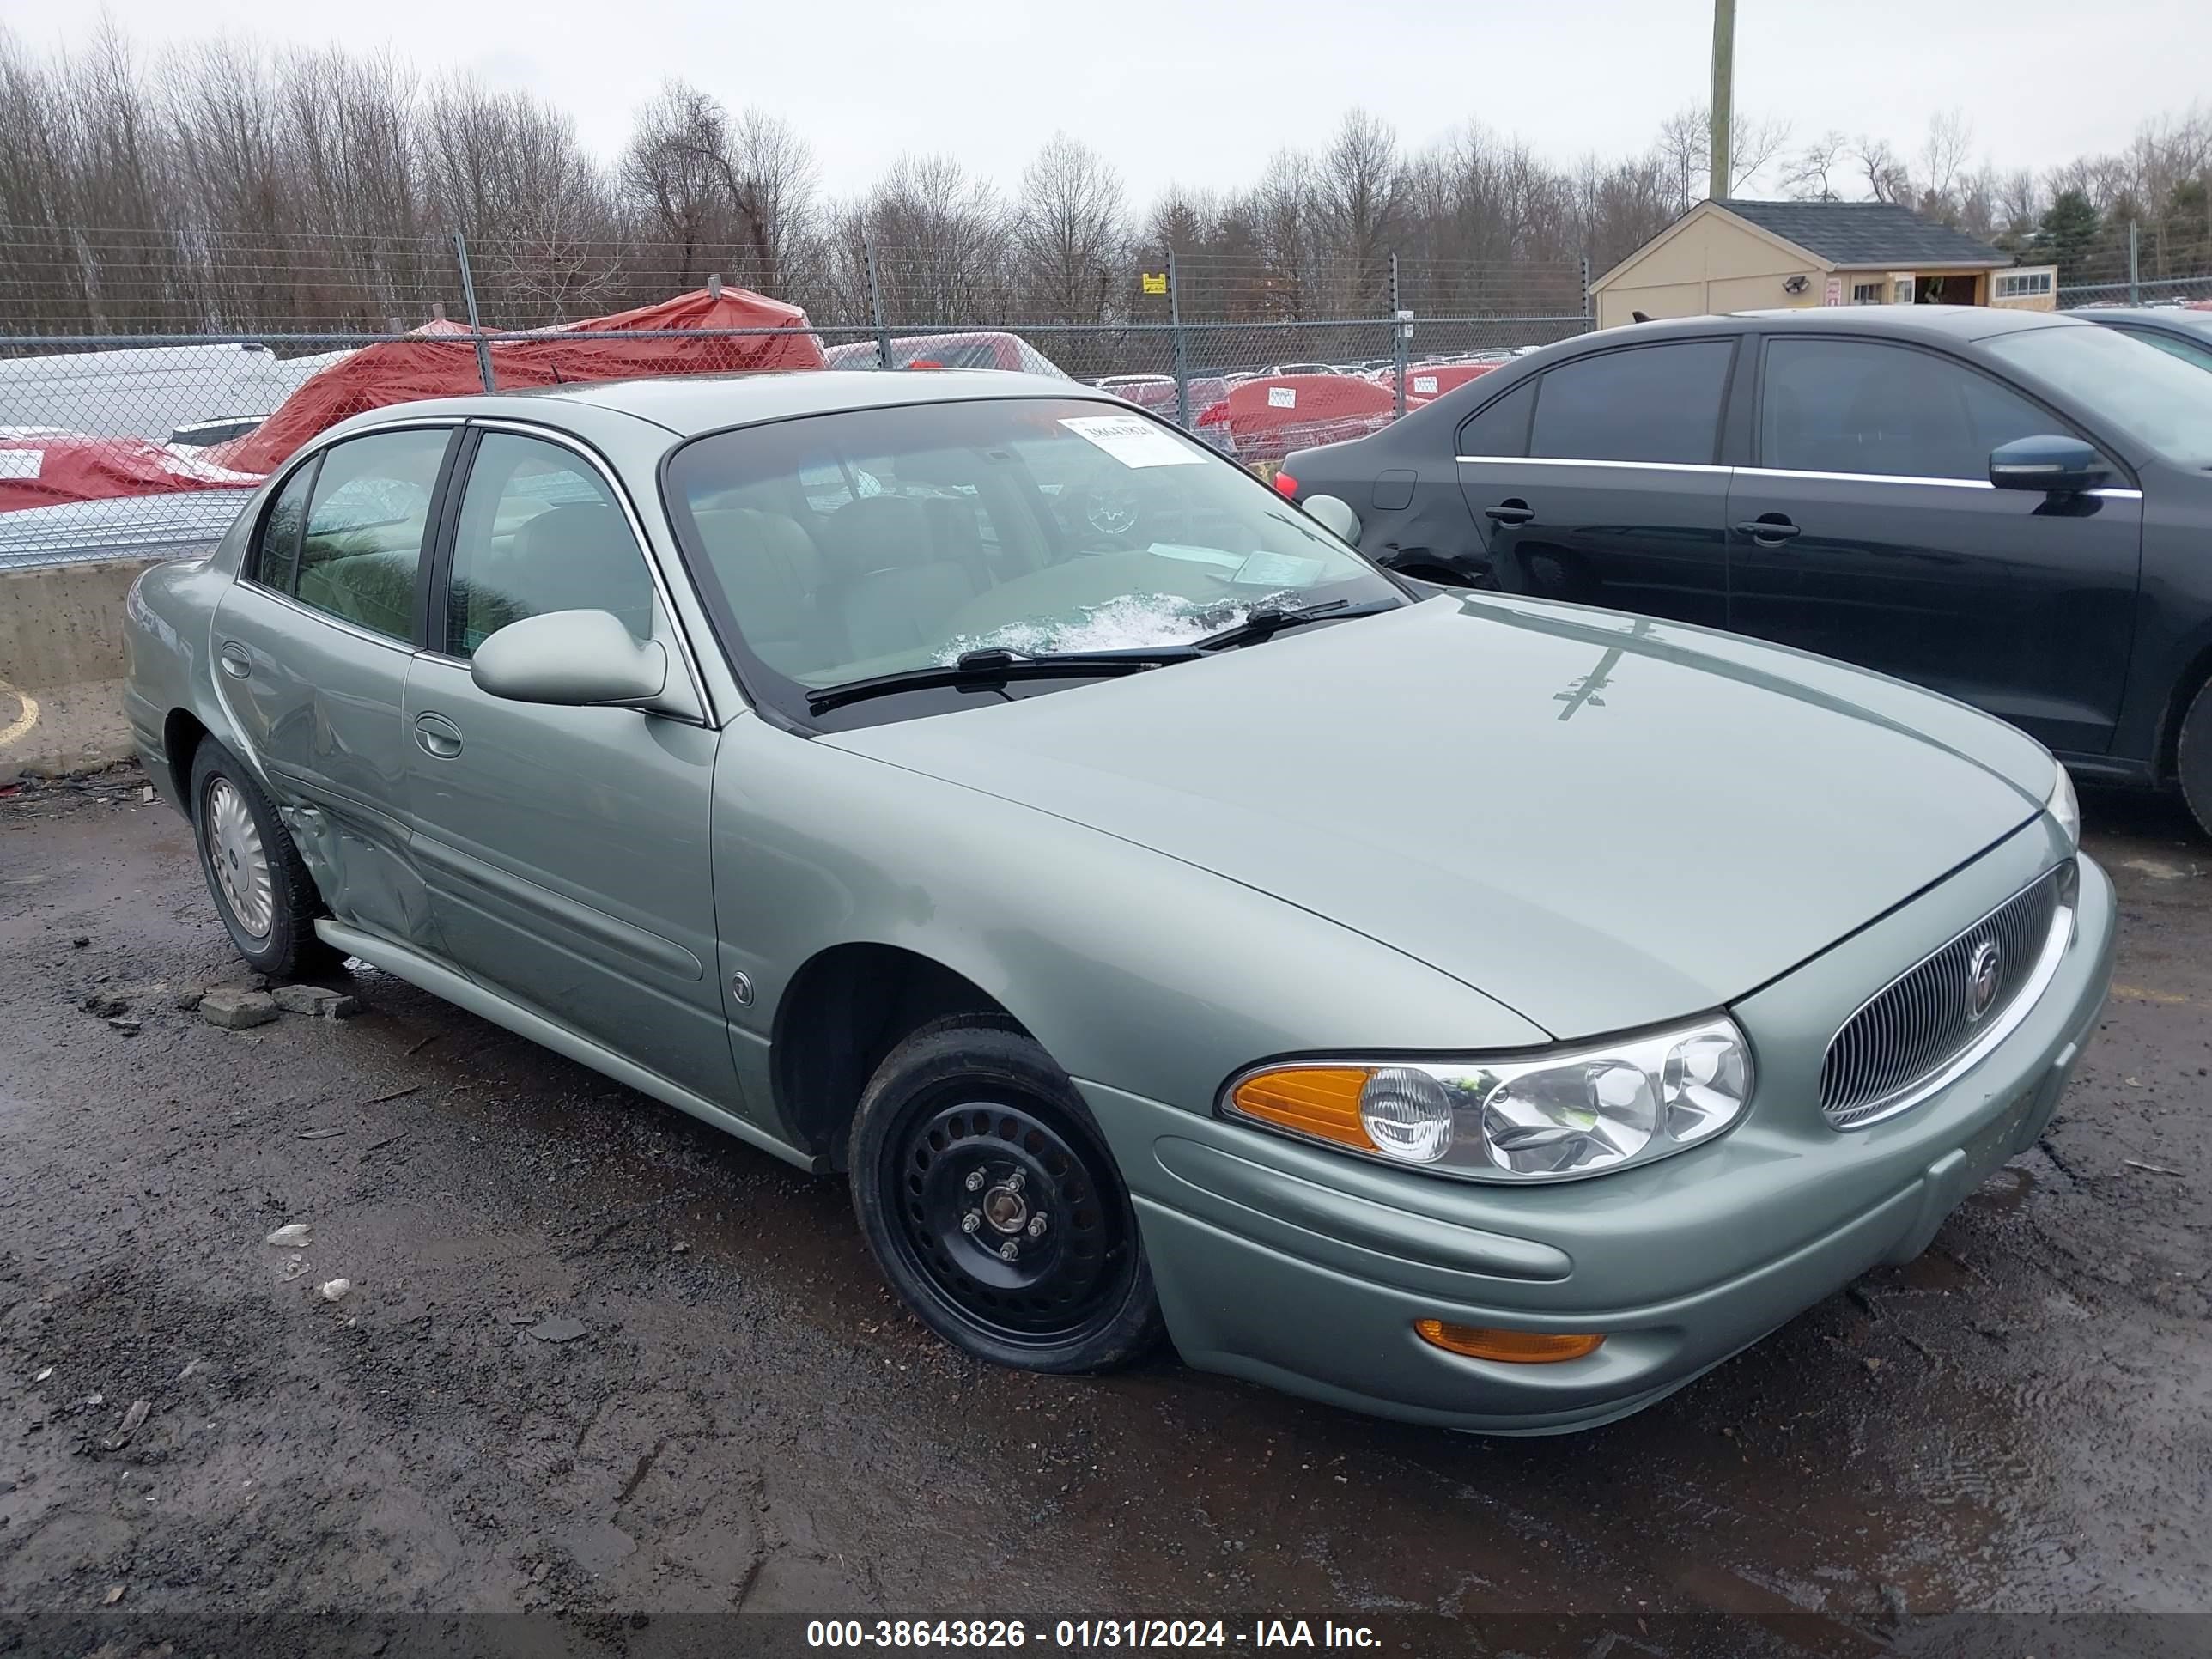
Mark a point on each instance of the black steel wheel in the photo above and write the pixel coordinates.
(990, 1200)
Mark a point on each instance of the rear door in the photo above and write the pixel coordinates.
(1600, 482)
(312, 644)
(565, 849)
(1869, 531)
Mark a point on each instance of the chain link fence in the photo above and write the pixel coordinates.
(2138, 265)
(148, 383)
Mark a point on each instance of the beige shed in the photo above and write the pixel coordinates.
(1753, 256)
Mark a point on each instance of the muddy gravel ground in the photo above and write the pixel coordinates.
(739, 1417)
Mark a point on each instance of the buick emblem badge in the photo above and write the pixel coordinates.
(1981, 979)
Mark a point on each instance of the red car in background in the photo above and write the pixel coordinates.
(977, 348)
(1261, 421)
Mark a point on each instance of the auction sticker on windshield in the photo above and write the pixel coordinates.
(1133, 441)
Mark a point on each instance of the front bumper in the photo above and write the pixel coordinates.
(1287, 1264)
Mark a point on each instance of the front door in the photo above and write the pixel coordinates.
(1869, 531)
(1600, 480)
(312, 644)
(565, 849)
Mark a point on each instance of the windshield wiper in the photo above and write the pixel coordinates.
(1265, 621)
(998, 665)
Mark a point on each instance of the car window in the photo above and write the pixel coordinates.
(1659, 403)
(1019, 525)
(363, 542)
(1501, 427)
(2158, 400)
(539, 531)
(277, 555)
(1858, 406)
(2189, 351)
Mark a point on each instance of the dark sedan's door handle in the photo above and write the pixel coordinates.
(436, 735)
(1510, 512)
(1769, 529)
(235, 663)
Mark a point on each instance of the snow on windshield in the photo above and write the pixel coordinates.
(1133, 619)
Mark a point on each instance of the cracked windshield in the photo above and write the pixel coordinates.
(868, 543)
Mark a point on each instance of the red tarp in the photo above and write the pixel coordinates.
(1427, 380)
(47, 469)
(439, 361)
(1267, 419)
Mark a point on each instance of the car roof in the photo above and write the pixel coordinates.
(1958, 323)
(2180, 317)
(687, 405)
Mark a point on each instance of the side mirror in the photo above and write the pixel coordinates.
(2049, 463)
(573, 659)
(1335, 516)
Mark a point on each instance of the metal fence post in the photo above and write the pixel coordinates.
(476, 324)
(876, 308)
(2135, 264)
(1397, 341)
(1586, 293)
(1182, 351)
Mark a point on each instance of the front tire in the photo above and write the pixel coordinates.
(262, 891)
(992, 1205)
(2192, 757)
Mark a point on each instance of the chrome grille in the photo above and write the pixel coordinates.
(1919, 1021)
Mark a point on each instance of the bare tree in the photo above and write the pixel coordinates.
(1072, 231)
(1943, 153)
(1356, 194)
(1814, 171)
(1684, 150)
(1881, 170)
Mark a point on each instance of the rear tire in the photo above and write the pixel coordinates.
(994, 1207)
(2192, 757)
(262, 891)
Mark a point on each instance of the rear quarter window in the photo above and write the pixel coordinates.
(1656, 402)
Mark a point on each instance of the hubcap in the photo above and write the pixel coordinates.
(234, 852)
(1004, 1213)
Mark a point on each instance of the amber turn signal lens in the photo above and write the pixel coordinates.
(1517, 1347)
(1322, 1101)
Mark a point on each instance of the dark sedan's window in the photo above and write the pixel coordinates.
(1856, 406)
(2190, 351)
(363, 544)
(1500, 428)
(1659, 403)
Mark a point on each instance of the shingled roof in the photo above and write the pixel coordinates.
(1867, 234)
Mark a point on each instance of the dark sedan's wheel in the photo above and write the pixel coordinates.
(990, 1199)
(2192, 757)
(262, 891)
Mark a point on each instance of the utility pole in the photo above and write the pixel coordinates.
(1716, 141)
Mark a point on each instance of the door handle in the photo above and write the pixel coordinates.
(1769, 529)
(436, 735)
(235, 663)
(1513, 511)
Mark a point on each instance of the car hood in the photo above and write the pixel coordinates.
(1601, 820)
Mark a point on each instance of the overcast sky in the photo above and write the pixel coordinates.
(1201, 94)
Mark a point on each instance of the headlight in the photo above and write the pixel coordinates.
(1547, 1117)
(2066, 807)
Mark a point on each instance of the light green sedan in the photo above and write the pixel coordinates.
(1478, 1011)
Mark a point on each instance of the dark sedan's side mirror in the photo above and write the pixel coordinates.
(2051, 463)
(573, 659)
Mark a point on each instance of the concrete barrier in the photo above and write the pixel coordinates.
(61, 667)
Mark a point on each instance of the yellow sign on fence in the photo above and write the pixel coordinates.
(1156, 281)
